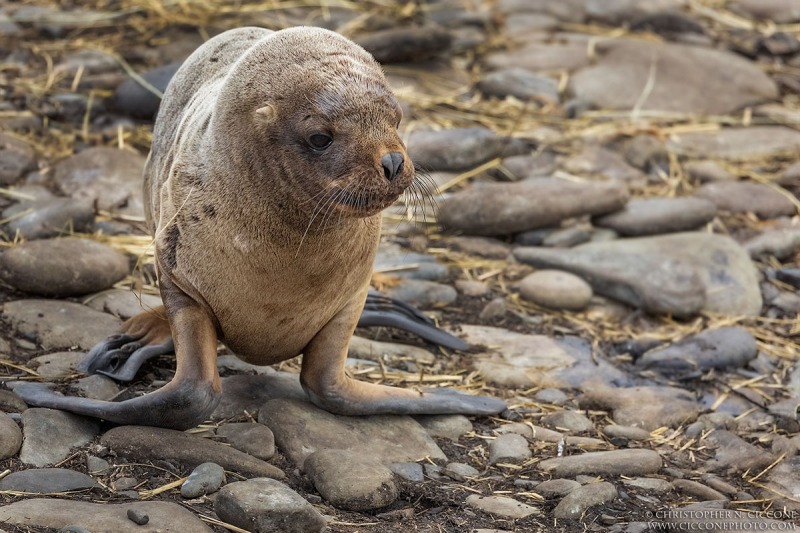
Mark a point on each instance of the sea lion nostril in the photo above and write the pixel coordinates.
(392, 165)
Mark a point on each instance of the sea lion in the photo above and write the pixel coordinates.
(273, 155)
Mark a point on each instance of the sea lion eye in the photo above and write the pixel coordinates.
(320, 141)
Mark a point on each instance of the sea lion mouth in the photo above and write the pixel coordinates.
(364, 204)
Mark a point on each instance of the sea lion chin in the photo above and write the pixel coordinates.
(273, 154)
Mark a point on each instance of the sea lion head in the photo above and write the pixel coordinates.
(319, 115)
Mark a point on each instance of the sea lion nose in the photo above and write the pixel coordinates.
(392, 165)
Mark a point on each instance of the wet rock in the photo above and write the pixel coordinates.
(556, 488)
(111, 177)
(697, 490)
(10, 437)
(50, 435)
(753, 142)
(445, 426)
(264, 505)
(461, 148)
(46, 481)
(780, 242)
(138, 101)
(653, 216)
(59, 513)
(679, 274)
(408, 471)
(123, 304)
(140, 443)
(626, 432)
(248, 393)
(747, 197)
(460, 472)
(709, 81)
(525, 361)
(501, 506)
(423, 294)
(62, 267)
(727, 347)
(594, 160)
(633, 462)
(643, 407)
(568, 421)
(521, 84)
(42, 219)
(581, 499)
(17, 158)
(509, 448)
(706, 171)
(350, 481)
(504, 208)
(556, 289)
(735, 454)
(206, 478)
(397, 45)
(302, 429)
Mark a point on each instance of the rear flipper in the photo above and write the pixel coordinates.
(120, 357)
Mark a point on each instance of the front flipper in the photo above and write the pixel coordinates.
(120, 357)
(324, 379)
(182, 403)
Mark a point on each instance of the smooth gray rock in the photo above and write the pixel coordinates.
(62, 267)
(422, 293)
(509, 448)
(571, 421)
(706, 170)
(551, 396)
(617, 12)
(50, 435)
(58, 324)
(747, 197)
(460, 471)
(408, 471)
(253, 439)
(242, 393)
(134, 99)
(109, 176)
(726, 347)
(680, 274)
(780, 242)
(206, 478)
(350, 481)
(596, 160)
(401, 44)
(17, 158)
(734, 454)
(50, 217)
(451, 427)
(555, 488)
(505, 208)
(10, 437)
(139, 443)
(521, 84)
(633, 462)
(705, 80)
(121, 303)
(264, 505)
(653, 216)
(301, 429)
(96, 517)
(754, 142)
(626, 432)
(543, 53)
(97, 465)
(644, 407)
(46, 481)
(697, 490)
(651, 484)
(774, 11)
(581, 499)
(97, 387)
(556, 289)
(57, 365)
(501, 506)
(461, 148)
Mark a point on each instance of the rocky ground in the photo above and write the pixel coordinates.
(616, 236)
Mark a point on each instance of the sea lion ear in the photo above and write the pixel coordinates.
(267, 113)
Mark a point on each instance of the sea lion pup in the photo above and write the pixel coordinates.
(273, 155)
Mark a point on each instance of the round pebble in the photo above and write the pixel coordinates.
(509, 448)
(138, 517)
(205, 479)
(568, 420)
(556, 289)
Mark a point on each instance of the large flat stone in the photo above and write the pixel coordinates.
(754, 142)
